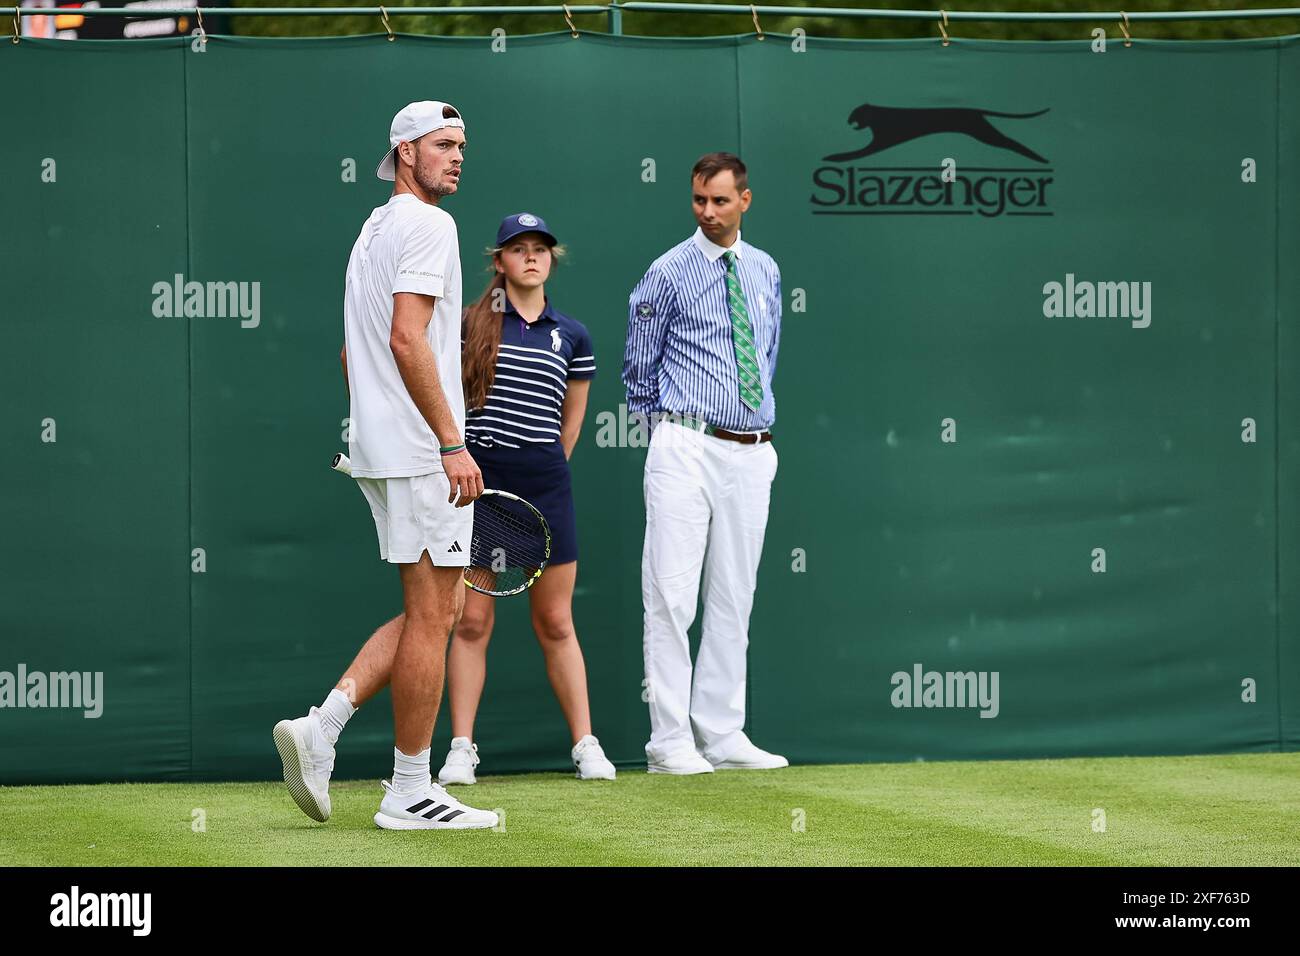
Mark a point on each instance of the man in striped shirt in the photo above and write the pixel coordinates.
(703, 328)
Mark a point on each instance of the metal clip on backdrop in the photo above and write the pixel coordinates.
(943, 25)
(203, 33)
(569, 20)
(387, 26)
(1123, 25)
(757, 29)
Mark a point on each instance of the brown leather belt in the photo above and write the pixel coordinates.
(745, 438)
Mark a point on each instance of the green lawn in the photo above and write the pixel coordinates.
(1194, 811)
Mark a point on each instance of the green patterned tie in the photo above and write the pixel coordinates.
(742, 337)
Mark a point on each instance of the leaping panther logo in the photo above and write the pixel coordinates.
(892, 125)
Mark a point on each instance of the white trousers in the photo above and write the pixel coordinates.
(706, 503)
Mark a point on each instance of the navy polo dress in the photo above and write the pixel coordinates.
(515, 436)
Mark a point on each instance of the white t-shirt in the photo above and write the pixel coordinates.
(406, 245)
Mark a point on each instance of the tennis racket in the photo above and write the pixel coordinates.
(510, 544)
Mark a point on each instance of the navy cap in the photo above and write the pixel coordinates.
(512, 226)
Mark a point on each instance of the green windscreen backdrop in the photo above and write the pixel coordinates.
(1037, 388)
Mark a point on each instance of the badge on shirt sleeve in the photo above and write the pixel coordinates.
(645, 310)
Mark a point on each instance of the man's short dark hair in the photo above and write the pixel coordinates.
(710, 164)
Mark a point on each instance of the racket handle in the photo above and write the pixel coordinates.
(342, 463)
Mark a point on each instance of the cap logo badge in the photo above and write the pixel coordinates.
(527, 220)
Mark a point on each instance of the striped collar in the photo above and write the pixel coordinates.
(712, 251)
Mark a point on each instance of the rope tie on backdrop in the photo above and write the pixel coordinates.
(569, 20)
(203, 33)
(387, 26)
(1123, 25)
(943, 24)
(753, 11)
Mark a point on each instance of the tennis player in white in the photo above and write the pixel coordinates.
(401, 362)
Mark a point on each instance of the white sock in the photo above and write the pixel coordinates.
(334, 714)
(410, 773)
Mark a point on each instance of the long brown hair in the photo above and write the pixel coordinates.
(482, 326)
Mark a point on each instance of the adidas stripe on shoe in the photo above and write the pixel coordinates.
(430, 808)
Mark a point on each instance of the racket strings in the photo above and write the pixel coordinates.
(509, 545)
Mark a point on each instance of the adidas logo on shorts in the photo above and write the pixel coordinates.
(455, 548)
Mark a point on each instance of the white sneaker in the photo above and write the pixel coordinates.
(432, 808)
(591, 761)
(308, 760)
(462, 758)
(749, 757)
(682, 762)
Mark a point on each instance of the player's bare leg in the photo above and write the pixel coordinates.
(372, 668)
(306, 744)
(434, 599)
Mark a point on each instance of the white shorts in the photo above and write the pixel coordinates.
(413, 515)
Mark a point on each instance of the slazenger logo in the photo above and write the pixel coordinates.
(989, 191)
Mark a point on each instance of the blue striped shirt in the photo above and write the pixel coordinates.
(534, 365)
(680, 356)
